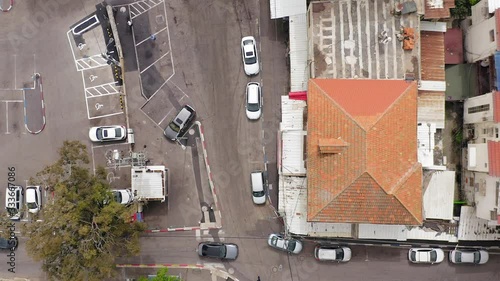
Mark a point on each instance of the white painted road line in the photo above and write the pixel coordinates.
(149, 38)
(7, 117)
(155, 62)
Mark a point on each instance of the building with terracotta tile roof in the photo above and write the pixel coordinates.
(362, 152)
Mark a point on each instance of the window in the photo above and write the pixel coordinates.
(492, 35)
(479, 108)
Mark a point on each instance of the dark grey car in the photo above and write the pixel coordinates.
(179, 125)
(228, 251)
(8, 244)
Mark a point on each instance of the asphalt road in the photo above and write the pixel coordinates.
(205, 45)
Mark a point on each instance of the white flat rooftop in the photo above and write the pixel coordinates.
(148, 183)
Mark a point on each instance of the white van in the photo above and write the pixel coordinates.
(14, 195)
(258, 192)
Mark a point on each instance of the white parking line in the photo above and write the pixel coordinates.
(155, 62)
(156, 33)
(105, 115)
(7, 117)
(150, 4)
(15, 70)
(165, 116)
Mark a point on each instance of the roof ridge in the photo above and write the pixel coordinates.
(338, 105)
(415, 166)
(393, 104)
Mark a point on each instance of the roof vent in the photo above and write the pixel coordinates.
(332, 145)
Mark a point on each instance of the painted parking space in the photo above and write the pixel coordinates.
(165, 104)
(104, 106)
(12, 114)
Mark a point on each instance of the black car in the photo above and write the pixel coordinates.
(218, 250)
(179, 125)
(8, 244)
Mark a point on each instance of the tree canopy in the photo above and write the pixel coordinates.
(83, 230)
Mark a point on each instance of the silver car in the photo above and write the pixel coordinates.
(468, 256)
(179, 125)
(332, 253)
(279, 242)
(227, 251)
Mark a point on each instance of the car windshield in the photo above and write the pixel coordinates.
(118, 196)
(253, 107)
(339, 254)
(222, 251)
(174, 127)
(291, 245)
(477, 257)
(31, 205)
(259, 193)
(12, 211)
(413, 255)
(458, 256)
(118, 132)
(99, 133)
(274, 240)
(433, 255)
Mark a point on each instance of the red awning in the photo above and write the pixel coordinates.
(298, 95)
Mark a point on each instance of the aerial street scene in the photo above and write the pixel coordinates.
(250, 140)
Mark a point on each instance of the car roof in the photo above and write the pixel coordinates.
(253, 92)
(30, 193)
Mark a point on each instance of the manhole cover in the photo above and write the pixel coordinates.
(191, 131)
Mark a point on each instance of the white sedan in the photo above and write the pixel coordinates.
(107, 133)
(250, 57)
(253, 105)
(426, 255)
(468, 256)
(33, 199)
(290, 245)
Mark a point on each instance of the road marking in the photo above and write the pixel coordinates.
(7, 117)
(15, 70)
(106, 115)
(144, 10)
(155, 62)
(149, 38)
(71, 47)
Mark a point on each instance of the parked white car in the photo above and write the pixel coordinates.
(107, 133)
(33, 199)
(258, 191)
(123, 196)
(332, 253)
(253, 106)
(250, 57)
(468, 256)
(290, 245)
(426, 255)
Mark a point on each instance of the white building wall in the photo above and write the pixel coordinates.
(478, 157)
(478, 117)
(480, 40)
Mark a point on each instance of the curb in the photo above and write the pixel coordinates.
(36, 76)
(173, 229)
(205, 156)
(8, 9)
(213, 270)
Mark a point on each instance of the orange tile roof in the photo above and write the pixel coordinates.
(494, 158)
(376, 178)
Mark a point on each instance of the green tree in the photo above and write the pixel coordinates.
(83, 230)
(161, 275)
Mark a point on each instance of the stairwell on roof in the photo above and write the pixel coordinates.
(332, 146)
